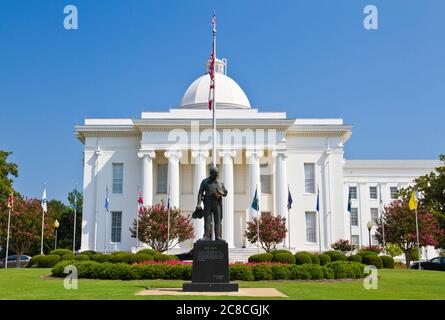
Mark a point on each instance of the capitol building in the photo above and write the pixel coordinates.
(167, 154)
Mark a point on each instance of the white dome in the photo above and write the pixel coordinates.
(228, 94)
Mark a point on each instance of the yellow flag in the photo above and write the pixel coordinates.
(413, 201)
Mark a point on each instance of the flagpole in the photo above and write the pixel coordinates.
(418, 242)
(168, 219)
(137, 219)
(213, 98)
(288, 224)
(383, 221)
(75, 218)
(43, 219)
(7, 238)
(106, 221)
(258, 217)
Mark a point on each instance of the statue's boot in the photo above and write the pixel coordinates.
(205, 238)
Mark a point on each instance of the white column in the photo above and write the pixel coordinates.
(281, 187)
(200, 160)
(173, 157)
(253, 159)
(228, 207)
(147, 157)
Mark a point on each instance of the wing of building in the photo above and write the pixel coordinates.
(162, 151)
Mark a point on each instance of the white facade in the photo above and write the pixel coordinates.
(256, 150)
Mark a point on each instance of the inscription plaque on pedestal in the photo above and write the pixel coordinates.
(210, 268)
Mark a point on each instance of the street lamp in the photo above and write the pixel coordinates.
(369, 226)
(56, 225)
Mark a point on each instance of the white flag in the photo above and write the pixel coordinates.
(44, 207)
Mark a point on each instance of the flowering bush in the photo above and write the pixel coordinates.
(342, 246)
(153, 223)
(373, 248)
(272, 231)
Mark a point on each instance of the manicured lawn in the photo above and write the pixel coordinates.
(393, 284)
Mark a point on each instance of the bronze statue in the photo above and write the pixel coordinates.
(211, 192)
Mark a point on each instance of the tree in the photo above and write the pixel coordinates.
(26, 222)
(432, 188)
(7, 170)
(400, 228)
(272, 231)
(153, 227)
(342, 246)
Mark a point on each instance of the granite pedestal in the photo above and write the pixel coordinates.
(210, 270)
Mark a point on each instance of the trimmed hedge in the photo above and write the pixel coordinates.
(34, 262)
(60, 252)
(373, 259)
(261, 257)
(356, 258)
(336, 256)
(68, 256)
(388, 262)
(302, 258)
(82, 257)
(241, 272)
(48, 261)
(164, 257)
(284, 257)
(366, 252)
(115, 253)
(148, 251)
(274, 252)
(324, 259)
(315, 259)
(89, 252)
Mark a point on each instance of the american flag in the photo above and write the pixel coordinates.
(11, 201)
(212, 65)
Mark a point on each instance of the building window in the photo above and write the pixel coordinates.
(393, 192)
(309, 177)
(118, 178)
(116, 226)
(311, 227)
(266, 179)
(354, 217)
(355, 241)
(353, 192)
(374, 215)
(162, 176)
(373, 192)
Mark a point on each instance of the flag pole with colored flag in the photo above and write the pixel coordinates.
(413, 206)
(318, 218)
(140, 210)
(44, 210)
(289, 206)
(10, 204)
(168, 218)
(350, 218)
(106, 205)
(256, 206)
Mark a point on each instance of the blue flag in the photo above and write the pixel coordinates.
(289, 199)
(318, 200)
(349, 201)
(255, 203)
(107, 201)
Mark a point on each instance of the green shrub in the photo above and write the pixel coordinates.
(274, 252)
(336, 256)
(34, 262)
(366, 253)
(299, 272)
(68, 256)
(241, 272)
(346, 269)
(49, 261)
(116, 253)
(164, 257)
(137, 258)
(284, 257)
(89, 252)
(82, 257)
(302, 258)
(315, 259)
(121, 257)
(324, 259)
(262, 272)
(148, 251)
(101, 257)
(261, 257)
(281, 272)
(388, 262)
(374, 260)
(60, 252)
(355, 258)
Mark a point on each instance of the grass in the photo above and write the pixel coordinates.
(393, 284)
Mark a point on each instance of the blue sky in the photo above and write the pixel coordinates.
(309, 58)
